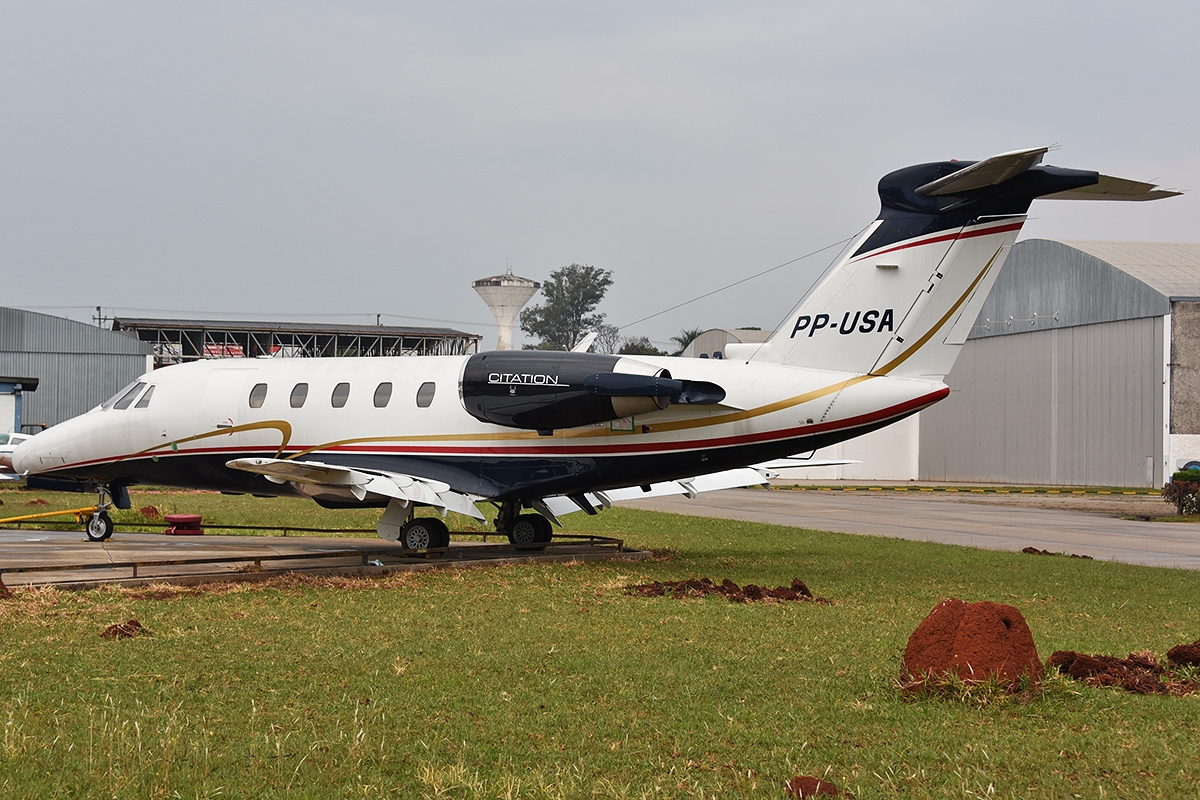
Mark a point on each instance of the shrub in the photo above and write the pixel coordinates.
(1183, 491)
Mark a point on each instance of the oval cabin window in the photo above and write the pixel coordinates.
(299, 395)
(425, 394)
(258, 395)
(383, 394)
(341, 393)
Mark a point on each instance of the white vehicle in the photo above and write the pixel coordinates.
(552, 432)
(8, 443)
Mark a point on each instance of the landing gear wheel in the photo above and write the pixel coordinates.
(528, 530)
(424, 533)
(99, 527)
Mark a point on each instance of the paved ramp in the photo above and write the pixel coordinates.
(67, 559)
(992, 526)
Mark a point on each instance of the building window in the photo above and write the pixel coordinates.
(299, 395)
(257, 395)
(145, 401)
(127, 399)
(383, 394)
(425, 394)
(341, 393)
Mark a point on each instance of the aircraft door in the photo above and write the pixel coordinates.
(225, 399)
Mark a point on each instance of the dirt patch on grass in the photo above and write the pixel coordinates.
(808, 786)
(1139, 673)
(126, 630)
(703, 587)
(1033, 551)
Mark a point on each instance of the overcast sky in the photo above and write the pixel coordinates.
(334, 161)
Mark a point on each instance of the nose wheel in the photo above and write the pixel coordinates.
(100, 525)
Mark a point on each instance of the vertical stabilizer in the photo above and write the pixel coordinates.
(904, 298)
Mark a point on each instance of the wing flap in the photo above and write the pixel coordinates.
(393, 485)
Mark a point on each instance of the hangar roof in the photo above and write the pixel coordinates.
(1060, 284)
(1171, 269)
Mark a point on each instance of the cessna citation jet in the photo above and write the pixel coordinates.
(542, 433)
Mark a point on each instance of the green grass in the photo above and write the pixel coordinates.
(550, 681)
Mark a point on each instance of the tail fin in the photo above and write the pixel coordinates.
(904, 298)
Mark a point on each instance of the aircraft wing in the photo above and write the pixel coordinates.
(361, 482)
(729, 479)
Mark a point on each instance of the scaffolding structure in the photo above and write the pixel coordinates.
(177, 341)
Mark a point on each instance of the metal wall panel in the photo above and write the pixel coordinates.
(79, 366)
(1080, 406)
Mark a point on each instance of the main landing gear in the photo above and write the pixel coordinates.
(522, 530)
(424, 533)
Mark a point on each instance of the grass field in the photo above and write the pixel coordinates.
(551, 681)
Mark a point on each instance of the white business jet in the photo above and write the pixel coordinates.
(542, 433)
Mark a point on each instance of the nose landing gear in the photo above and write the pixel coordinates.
(100, 525)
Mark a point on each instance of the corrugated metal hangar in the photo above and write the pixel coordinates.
(1083, 369)
(77, 366)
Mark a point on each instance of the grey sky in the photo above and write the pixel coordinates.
(345, 159)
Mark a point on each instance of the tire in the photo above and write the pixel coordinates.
(527, 531)
(545, 529)
(99, 527)
(424, 533)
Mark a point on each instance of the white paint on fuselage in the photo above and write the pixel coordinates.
(194, 404)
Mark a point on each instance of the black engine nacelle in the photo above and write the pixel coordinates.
(547, 390)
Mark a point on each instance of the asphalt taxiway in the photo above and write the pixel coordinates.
(1063, 524)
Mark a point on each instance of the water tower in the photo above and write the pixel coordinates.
(505, 295)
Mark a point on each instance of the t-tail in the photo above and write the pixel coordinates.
(904, 298)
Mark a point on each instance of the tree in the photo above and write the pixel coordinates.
(608, 339)
(639, 346)
(571, 295)
(685, 337)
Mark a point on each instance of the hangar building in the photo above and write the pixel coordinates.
(1083, 369)
(76, 366)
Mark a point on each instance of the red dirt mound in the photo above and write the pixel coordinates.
(1185, 655)
(126, 630)
(808, 786)
(150, 512)
(1139, 673)
(973, 641)
(37, 501)
(702, 587)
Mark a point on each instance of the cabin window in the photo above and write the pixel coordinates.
(107, 404)
(341, 393)
(383, 394)
(258, 395)
(299, 395)
(127, 399)
(145, 401)
(425, 394)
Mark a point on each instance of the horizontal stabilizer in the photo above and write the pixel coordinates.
(1110, 188)
(989, 172)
